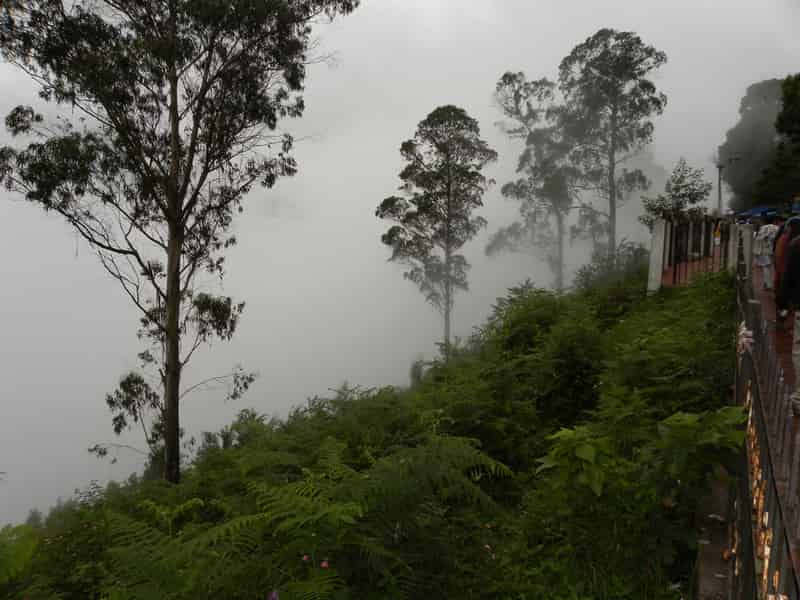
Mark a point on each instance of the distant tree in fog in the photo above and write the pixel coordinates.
(35, 519)
(684, 190)
(178, 106)
(788, 121)
(609, 103)
(442, 184)
(753, 142)
(780, 180)
(546, 189)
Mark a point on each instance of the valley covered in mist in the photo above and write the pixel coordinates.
(347, 300)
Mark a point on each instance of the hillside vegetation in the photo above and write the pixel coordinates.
(560, 453)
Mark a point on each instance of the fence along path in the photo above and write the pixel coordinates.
(766, 538)
(682, 249)
(764, 534)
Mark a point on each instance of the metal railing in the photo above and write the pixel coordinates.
(764, 544)
(683, 248)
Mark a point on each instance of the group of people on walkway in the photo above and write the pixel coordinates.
(773, 238)
(776, 251)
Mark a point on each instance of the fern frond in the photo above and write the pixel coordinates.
(321, 586)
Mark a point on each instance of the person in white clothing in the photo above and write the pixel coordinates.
(763, 250)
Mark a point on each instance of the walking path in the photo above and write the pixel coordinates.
(684, 272)
(780, 335)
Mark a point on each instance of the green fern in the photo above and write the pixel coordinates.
(321, 585)
(17, 547)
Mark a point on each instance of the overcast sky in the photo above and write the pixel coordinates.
(323, 305)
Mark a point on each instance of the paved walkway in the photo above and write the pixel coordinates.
(682, 273)
(783, 440)
(780, 335)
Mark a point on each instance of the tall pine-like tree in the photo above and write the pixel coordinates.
(609, 103)
(442, 185)
(178, 102)
(546, 188)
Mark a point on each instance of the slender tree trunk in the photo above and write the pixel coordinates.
(447, 333)
(559, 251)
(172, 450)
(448, 303)
(448, 252)
(172, 366)
(612, 188)
(612, 219)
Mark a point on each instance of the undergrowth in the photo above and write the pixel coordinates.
(560, 453)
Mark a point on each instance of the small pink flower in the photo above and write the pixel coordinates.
(324, 564)
(306, 558)
(488, 547)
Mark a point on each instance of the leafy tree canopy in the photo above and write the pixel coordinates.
(547, 185)
(170, 118)
(751, 143)
(780, 181)
(684, 190)
(610, 100)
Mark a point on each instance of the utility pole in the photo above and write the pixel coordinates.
(721, 165)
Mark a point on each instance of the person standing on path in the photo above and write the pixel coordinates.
(786, 234)
(763, 250)
(788, 296)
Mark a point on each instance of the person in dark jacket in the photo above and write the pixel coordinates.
(788, 296)
(782, 226)
(791, 229)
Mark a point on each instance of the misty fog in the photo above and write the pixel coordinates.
(323, 304)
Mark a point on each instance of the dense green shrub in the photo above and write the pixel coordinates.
(559, 454)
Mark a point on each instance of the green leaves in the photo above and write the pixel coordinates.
(215, 315)
(684, 190)
(17, 547)
(586, 452)
(612, 417)
(578, 458)
(689, 445)
(616, 492)
(676, 352)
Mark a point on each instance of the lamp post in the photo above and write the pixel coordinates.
(721, 165)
